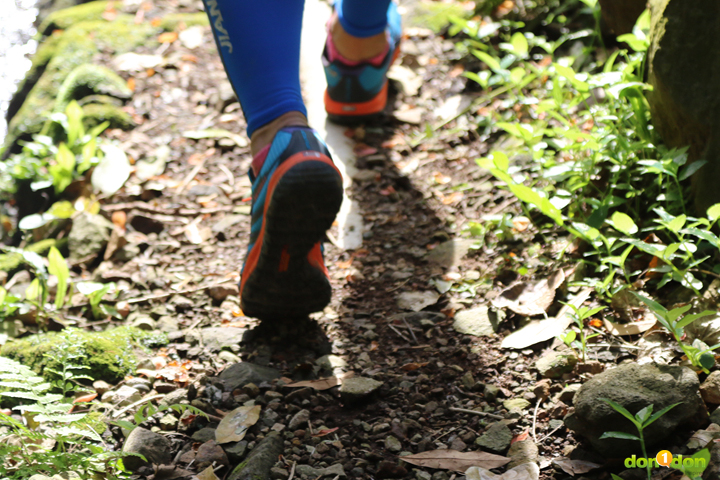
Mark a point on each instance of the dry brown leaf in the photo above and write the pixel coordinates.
(541, 330)
(325, 431)
(235, 424)
(454, 460)
(530, 298)
(167, 37)
(207, 474)
(633, 328)
(323, 383)
(574, 467)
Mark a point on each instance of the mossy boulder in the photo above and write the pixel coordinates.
(90, 79)
(173, 21)
(684, 74)
(108, 355)
(67, 17)
(97, 113)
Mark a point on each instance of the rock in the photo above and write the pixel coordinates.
(221, 292)
(143, 322)
(123, 396)
(204, 435)
(450, 253)
(168, 423)
(712, 471)
(210, 453)
(328, 363)
(88, 236)
(516, 404)
(240, 374)
(491, 392)
(298, 420)
(475, 321)
(228, 357)
(175, 397)
(710, 388)
(355, 389)
(526, 471)
(393, 444)
(167, 324)
(715, 416)
(523, 451)
(554, 364)
(568, 393)
(496, 438)
(457, 444)
(635, 387)
(261, 459)
(685, 107)
(217, 338)
(422, 475)
(620, 15)
(235, 451)
(101, 387)
(468, 381)
(388, 469)
(333, 471)
(153, 446)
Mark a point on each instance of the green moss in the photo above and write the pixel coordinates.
(97, 113)
(90, 79)
(174, 20)
(434, 15)
(11, 262)
(78, 45)
(108, 355)
(67, 17)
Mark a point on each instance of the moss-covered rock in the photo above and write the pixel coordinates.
(108, 355)
(67, 17)
(97, 113)
(175, 20)
(684, 74)
(11, 262)
(90, 79)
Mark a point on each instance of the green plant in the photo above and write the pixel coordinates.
(147, 410)
(698, 354)
(95, 292)
(569, 338)
(46, 439)
(642, 419)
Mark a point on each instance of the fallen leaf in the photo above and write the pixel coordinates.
(521, 223)
(454, 460)
(530, 298)
(167, 37)
(574, 467)
(407, 78)
(412, 115)
(207, 474)
(239, 140)
(112, 171)
(596, 322)
(521, 437)
(323, 383)
(541, 330)
(156, 22)
(86, 398)
(441, 179)
(363, 150)
(453, 198)
(192, 37)
(526, 471)
(416, 301)
(197, 235)
(325, 431)
(633, 328)
(235, 424)
(411, 367)
(171, 472)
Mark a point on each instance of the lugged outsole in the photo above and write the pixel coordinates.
(302, 207)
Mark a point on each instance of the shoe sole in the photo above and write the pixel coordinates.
(284, 275)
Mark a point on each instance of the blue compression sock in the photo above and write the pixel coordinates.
(363, 18)
(259, 42)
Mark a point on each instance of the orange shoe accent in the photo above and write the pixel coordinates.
(284, 260)
(293, 160)
(370, 107)
(315, 258)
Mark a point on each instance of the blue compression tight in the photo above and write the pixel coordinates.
(259, 43)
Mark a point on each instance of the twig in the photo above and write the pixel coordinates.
(331, 238)
(292, 470)
(411, 331)
(399, 333)
(475, 412)
(181, 292)
(193, 173)
(446, 433)
(537, 405)
(139, 402)
(551, 432)
(228, 173)
(185, 212)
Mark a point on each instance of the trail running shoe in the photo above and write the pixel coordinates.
(296, 193)
(357, 91)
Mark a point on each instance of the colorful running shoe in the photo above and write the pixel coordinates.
(357, 91)
(296, 193)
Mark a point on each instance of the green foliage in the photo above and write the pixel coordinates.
(56, 157)
(148, 410)
(44, 438)
(587, 160)
(642, 419)
(699, 354)
(569, 338)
